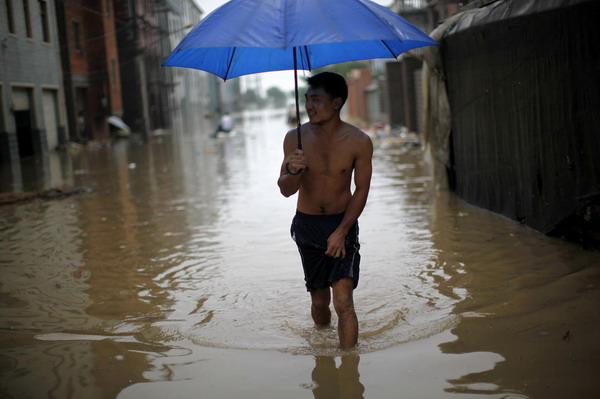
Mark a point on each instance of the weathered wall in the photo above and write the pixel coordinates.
(524, 95)
(30, 63)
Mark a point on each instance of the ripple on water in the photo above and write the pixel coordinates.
(198, 246)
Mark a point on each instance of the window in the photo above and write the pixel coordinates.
(77, 36)
(44, 20)
(27, 18)
(10, 16)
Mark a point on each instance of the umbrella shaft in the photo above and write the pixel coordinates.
(297, 105)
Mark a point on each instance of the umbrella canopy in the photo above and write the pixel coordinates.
(118, 123)
(250, 36)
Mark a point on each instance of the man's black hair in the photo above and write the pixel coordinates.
(333, 84)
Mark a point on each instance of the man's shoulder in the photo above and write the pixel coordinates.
(357, 134)
(291, 133)
(304, 129)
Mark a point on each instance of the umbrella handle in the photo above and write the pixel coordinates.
(297, 105)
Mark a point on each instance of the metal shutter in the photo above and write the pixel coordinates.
(50, 118)
(21, 101)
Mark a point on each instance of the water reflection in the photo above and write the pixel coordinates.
(183, 246)
(43, 289)
(64, 366)
(520, 295)
(41, 173)
(333, 382)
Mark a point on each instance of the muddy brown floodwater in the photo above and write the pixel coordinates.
(175, 276)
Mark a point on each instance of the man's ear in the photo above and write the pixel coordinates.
(337, 103)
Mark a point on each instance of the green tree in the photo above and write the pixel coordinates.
(343, 69)
(276, 97)
(251, 96)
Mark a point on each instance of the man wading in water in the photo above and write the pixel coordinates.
(325, 227)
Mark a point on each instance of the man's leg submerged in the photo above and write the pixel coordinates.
(321, 298)
(343, 304)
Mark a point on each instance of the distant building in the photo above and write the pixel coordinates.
(367, 94)
(427, 14)
(195, 98)
(230, 95)
(32, 114)
(404, 95)
(358, 82)
(90, 62)
(144, 86)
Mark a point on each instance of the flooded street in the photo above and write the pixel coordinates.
(175, 276)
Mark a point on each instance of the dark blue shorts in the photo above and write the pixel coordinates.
(311, 233)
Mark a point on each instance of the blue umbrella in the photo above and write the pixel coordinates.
(250, 36)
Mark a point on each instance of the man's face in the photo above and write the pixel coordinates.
(320, 106)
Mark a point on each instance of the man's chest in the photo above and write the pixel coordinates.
(329, 160)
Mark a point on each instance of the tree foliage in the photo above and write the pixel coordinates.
(251, 96)
(276, 97)
(343, 69)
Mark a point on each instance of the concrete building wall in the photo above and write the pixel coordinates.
(146, 86)
(30, 64)
(230, 95)
(375, 105)
(134, 99)
(405, 96)
(403, 99)
(192, 89)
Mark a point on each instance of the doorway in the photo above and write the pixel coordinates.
(24, 133)
(83, 126)
(23, 121)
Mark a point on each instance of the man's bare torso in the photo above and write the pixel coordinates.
(325, 185)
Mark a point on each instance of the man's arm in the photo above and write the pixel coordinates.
(291, 175)
(362, 180)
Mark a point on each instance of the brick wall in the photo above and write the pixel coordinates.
(94, 64)
(357, 96)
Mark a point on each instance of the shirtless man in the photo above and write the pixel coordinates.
(325, 227)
